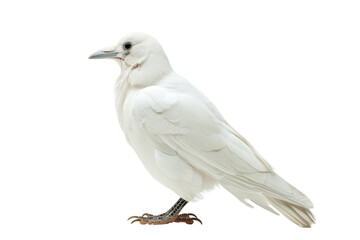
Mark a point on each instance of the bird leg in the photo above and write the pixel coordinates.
(172, 215)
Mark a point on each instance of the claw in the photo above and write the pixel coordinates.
(188, 218)
(196, 219)
(136, 220)
(188, 215)
(133, 217)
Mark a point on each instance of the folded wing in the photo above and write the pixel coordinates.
(184, 124)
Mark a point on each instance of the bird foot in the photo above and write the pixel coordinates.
(164, 218)
(187, 218)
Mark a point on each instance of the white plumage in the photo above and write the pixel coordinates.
(182, 139)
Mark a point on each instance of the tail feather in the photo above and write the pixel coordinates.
(276, 194)
(299, 215)
(255, 198)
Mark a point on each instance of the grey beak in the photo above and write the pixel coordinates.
(103, 54)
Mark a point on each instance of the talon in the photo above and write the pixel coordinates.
(196, 219)
(188, 218)
(133, 217)
(191, 214)
(136, 220)
(188, 215)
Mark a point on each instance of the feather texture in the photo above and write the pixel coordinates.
(185, 143)
(199, 137)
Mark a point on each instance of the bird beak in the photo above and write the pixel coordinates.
(103, 54)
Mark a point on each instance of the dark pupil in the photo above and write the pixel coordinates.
(127, 45)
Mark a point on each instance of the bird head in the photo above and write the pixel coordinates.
(140, 54)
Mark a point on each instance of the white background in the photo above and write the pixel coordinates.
(285, 74)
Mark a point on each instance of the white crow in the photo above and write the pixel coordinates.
(185, 143)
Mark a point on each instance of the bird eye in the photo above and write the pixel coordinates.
(127, 45)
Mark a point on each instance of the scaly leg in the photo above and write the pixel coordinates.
(172, 215)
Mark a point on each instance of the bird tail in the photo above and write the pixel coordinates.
(301, 216)
(276, 194)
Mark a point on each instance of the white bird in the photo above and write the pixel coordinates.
(183, 140)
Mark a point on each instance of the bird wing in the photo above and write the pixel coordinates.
(182, 123)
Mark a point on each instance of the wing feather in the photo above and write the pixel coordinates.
(196, 131)
(187, 124)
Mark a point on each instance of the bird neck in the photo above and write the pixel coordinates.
(149, 71)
